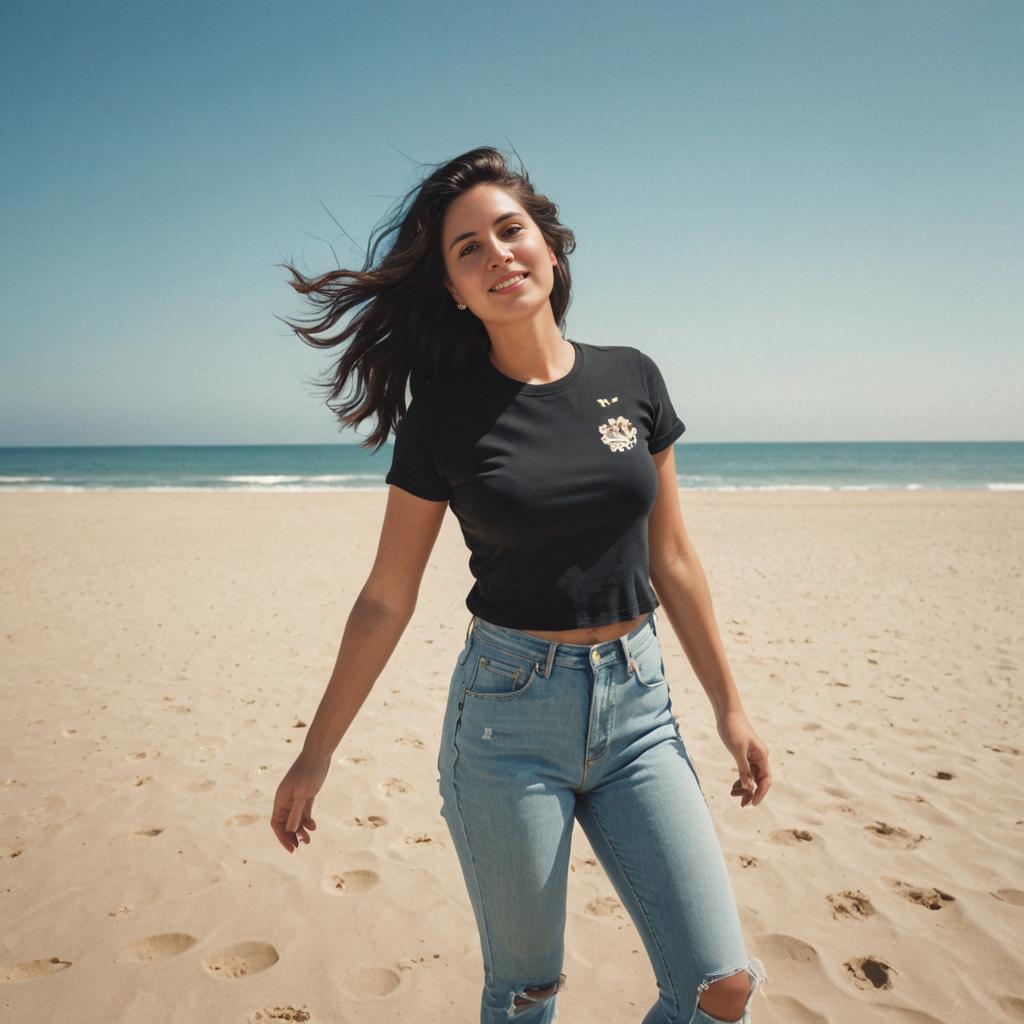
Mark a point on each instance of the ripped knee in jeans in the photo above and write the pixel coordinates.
(524, 998)
(725, 998)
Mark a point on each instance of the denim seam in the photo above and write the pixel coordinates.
(495, 646)
(476, 878)
(686, 753)
(609, 730)
(640, 904)
(511, 694)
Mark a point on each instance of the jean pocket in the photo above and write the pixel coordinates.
(650, 667)
(495, 675)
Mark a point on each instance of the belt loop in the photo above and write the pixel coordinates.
(654, 622)
(630, 662)
(552, 647)
(469, 629)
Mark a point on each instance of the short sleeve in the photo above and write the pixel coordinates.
(414, 466)
(666, 426)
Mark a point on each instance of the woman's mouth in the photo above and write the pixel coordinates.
(511, 285)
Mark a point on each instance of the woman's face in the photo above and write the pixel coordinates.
(487, 236)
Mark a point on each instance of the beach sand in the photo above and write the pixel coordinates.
(161, 653)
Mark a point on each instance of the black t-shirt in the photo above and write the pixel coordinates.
(552, 484)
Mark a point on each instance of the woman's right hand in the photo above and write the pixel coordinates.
(293, 802)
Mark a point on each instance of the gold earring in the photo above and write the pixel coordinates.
(460, 305)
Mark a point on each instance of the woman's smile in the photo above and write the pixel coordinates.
(510, 284)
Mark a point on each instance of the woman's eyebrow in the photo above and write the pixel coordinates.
(469, 234)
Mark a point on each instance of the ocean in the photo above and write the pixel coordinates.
(826, 466)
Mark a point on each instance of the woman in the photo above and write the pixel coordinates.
(556, 457)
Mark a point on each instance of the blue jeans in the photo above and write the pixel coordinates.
(537, 734)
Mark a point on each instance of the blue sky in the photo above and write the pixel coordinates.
(809, 214)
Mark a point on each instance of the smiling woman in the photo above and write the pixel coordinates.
(556, 457)
(408, 330)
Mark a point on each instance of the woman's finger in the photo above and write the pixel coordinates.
(279, 821)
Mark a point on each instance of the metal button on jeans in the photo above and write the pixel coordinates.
(596, 656)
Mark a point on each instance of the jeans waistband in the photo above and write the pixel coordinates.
(547, 652)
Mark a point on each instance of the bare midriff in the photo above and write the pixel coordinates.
(590, 634)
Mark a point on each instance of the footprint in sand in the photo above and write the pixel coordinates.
(747, 861)
(836, 791)
(945, 776)
(933, 899)
(29, 969)
(849, 903)
(781, 946)
(370, 821)
(419, 837)
(11, 851)
(587, 864)
(143, 780)
(147, 833)
(605, 906)
(357, 880)
(270, 1014)
(410, 741)
(241, 960)
(372, 981)
(792, 836)
(1013, 1005)
(242, 819)
(201, 787)
(393, 786)
(1014, 896)
(157, 947)
(870, 972)
(121, 911)
(894, 835)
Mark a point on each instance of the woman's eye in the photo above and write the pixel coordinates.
(512, 227)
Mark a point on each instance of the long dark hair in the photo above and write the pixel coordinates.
(408, 330)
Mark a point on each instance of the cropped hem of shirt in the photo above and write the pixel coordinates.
(555, 624)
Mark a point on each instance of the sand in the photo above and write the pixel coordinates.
(161, 652)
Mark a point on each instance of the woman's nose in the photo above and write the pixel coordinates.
(499, 255)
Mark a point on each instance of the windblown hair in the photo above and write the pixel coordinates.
(407, 329)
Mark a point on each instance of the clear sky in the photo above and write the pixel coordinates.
(811, 215)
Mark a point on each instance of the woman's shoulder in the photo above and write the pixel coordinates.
(628, 357)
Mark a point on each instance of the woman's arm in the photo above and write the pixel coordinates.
(369, 639)
(682, 588)
(375, 624)
(684, 594)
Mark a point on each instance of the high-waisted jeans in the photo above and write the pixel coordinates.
(537, 734)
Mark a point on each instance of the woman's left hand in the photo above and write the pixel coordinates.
(751, 755)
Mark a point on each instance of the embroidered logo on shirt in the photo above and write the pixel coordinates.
(607, 401)
(618, 433)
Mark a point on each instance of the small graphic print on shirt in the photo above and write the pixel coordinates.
(618, 433)
(607, 401)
